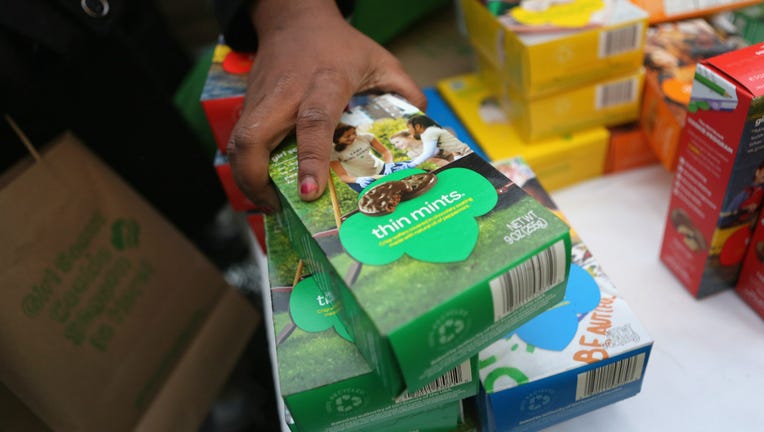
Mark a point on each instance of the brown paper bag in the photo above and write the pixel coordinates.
(109, 318)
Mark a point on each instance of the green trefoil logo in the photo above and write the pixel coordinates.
(438, 226)
(314, 311)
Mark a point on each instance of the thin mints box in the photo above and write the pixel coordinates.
(325, 382)
(433, 253)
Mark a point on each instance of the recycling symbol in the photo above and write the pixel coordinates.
(346, 403)
(449, 330)
(538, 401)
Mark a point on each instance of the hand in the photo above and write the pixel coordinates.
(364, 181)
(397, 166)
(309, 63)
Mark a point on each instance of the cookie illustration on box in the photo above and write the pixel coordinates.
(384, 198)
(417, 184)
(691, 236)
(381, 199)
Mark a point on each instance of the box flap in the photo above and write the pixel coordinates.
(745, 66)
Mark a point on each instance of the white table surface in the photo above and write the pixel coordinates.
(706, 370)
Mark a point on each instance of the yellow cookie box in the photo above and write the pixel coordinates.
(558, 162)
(540, 63)
(613, 101)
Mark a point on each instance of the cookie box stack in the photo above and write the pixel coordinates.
(222, 99)
(222, 96)
(560, 67)
(433, 261)
(324, 381)
(586, 352)
(559, 161)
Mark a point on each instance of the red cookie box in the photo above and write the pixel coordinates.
(236, 197)
(750, 285)
(719, 182)
(238, 201)
(223, 93)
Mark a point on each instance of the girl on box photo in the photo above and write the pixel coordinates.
(747, 203)
(355, 157)
(437, 142)
(405, 141)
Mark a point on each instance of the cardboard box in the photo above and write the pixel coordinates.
(610, 101)
(571, 45)
(223, 93)
(422, 255)
(628, 149)
(750, 285)
(236, 197)
(587, 352)
(717, 190)
(558, 162)
(325, 382)
(671, 52)
(662, 122)
(661, 11)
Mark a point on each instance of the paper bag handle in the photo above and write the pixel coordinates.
(23, 137)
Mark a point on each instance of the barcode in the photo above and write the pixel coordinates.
(616, 93)
(609, 376)
(620, 40)
(456, 376)
(527, 280)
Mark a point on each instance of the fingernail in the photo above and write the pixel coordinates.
(308, 186)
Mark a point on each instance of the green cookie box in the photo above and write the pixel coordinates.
(450, 270)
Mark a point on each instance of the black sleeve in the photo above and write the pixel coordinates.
(236, 24)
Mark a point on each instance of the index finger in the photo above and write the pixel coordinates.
(261, 127)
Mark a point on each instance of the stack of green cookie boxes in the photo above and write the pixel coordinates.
(441, 273)
(324, 381)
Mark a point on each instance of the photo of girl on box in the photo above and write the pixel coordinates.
(380, 135)
(360, 158)
(405, 142)
(746, 204)
(436, 141)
